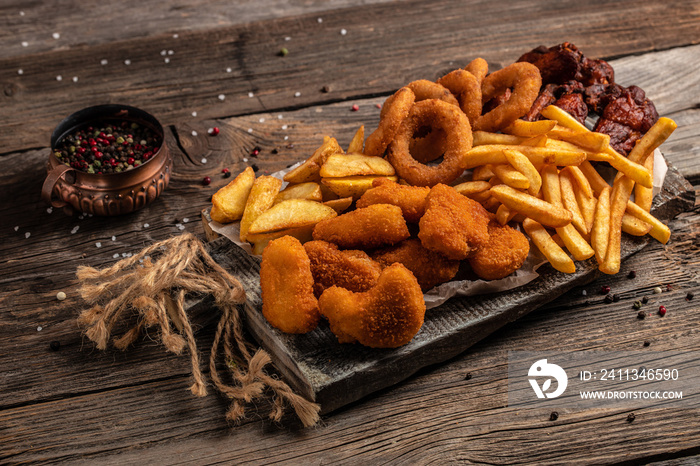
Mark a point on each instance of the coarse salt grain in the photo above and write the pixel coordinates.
(127, 62)
(228, 70)
(286, 138)
(297, 94)
(146, 225)
(103, 62)
(179, 226)
(194, 133)
(59, 78)
(175, 36)
(222, 97)
(250, 130)
(284, 127)
(20, 71)
(250, 94)
(279, 117)
(194, 114)
(49, 210)
(245, 160)
(343, 32)
(16, 228)
(56, 35)
(114, 238)
(204, 160)
(287, 38)
(75, 79)
(115, 255)
(166, 60)
(27, 235)
(25, 43)
(163, 53)
(171, 52)
(98, 245)
(185, 220)
(21, 13)
(320, 20)
(74, 230)
(39, 328)
(261, 120)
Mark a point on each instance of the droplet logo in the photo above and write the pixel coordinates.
(541, 369)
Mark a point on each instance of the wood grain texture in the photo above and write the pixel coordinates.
(361, 63)
(79, 405)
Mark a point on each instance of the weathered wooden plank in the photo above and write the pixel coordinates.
(389, 44)
(435, 416)
(36, 23)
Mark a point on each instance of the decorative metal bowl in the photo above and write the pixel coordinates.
(110, 193)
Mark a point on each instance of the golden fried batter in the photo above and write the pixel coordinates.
(411, 199)
(286, 282)
(349, 269)
(453, 225)
(430, 268)
(503, 254)
(387, 316)
(367, 228)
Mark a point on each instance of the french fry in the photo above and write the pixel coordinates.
(547, 246)
(511, 177)
(504, 214)
(481, 138)
(630, 168)
(483, 173)
(657, 134)
(536, 141)
(472, 187)
(643, 196)
(309, 170)
(541, 211)
(262, 196)
(659, 231)
(575, 243)
(563, 117)
(587, 207)
(357, 143)
(600, 233)
(594, 179)
(621, 191)
(481, 197)
(521, 163)
(529, 129)
(581, 181)
(228, 203)
(633, 226)
(551, 190)
(308, 190)
(493, 153)
(568, 198)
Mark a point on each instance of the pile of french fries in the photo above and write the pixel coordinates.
(536, 173)
(325, 185)
(540, 174)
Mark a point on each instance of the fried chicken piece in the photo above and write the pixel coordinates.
(503, 254)
(286, 283)
(430, 268)
(366, 228)
(411, 199)
(350, 269)
(626, 117)
(453, 225)
(387, 316)
(574, 105)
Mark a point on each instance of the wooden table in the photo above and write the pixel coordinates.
(204, 63)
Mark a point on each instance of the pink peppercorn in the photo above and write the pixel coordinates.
(662, 311)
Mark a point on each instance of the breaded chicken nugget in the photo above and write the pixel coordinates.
(503, 254)
(387, 316)
(411, 199)
(430, 268)
(453, 225)
(286, 282)
(350, 269)
(367, 228)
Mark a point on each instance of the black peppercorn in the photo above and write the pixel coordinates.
(608, 298)
(554, 416)
(641, 315)
(631, 417)
(468, 376)
(55, 345)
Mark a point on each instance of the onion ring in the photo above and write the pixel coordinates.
(394, 111)
(467, 88)
(429, 147)
(479, 68)
(424, 90)
(524, 80)
(458, 141)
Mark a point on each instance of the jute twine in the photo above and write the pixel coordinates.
(153, 284)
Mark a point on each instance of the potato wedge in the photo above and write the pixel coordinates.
(352, 186)
(343, 165)
(228, 203)
(262, 196)
(308, 171)
(357, 143)
(289, 214)
(309, 190)
(303, 234)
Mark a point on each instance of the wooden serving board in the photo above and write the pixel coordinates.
(334, 374)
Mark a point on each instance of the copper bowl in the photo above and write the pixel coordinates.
(112, 193)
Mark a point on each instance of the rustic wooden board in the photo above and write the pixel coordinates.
(336, 374)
